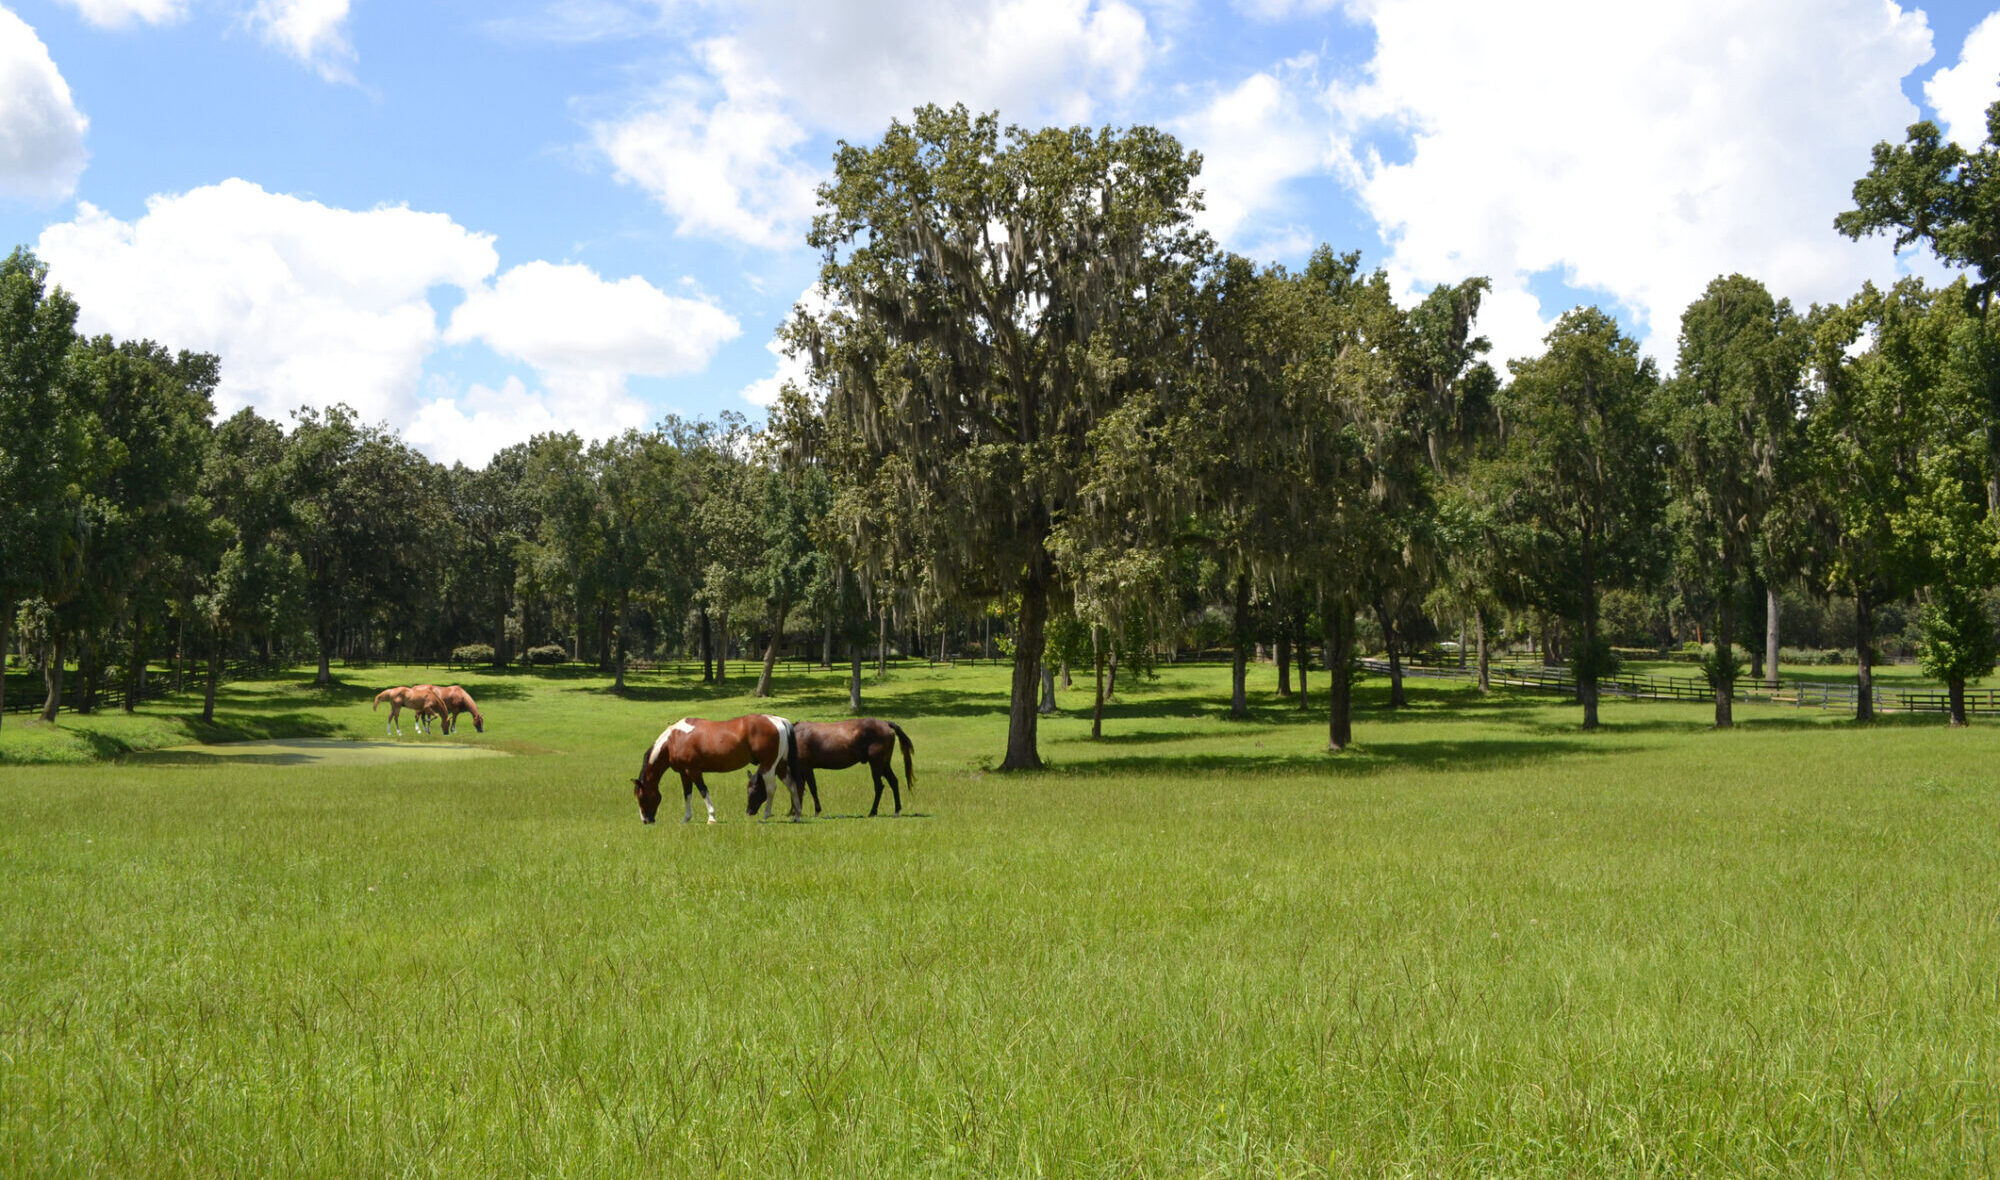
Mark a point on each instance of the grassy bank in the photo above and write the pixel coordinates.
(1480, 944)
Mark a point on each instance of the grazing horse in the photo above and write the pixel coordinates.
(837, 745)
(456, 700)
(692, 747)
(421, 700)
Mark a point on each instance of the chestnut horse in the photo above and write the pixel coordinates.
(837, 745)
(692, 747)
(421, 699)
(455, 701)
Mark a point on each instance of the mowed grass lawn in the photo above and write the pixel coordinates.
(1481, 944)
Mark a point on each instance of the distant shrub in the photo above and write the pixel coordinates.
(472, 653)
(1814, 657)
(548, 653)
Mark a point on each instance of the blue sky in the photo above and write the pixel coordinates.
(479, 220)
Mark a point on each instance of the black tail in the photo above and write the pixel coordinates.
(909, 771)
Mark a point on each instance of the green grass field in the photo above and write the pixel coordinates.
(1480, 944)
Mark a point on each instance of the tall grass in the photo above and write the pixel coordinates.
(1480, 944)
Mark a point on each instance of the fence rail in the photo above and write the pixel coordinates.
(1802, 694)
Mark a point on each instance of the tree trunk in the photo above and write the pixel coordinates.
(1756, 651)
(6, 637)
(324, 637)
(1284, 646)
(854, 678)
(1485, 665)
(826, 646)
(1029, 639)
(1725, 663)
(1586, 680)
(1239, 706)
(1771, 638)
(52, 676)
(135, 666)
(1066, 681)
(1389, 641)
(1955, 687)
(214, 677)
(944, 652)
(618, 639)
(771, 650)
(1304, 652)
(1340, 675)
(707, 647)
(604, 635)
(722, 648)
(986, 635)
(1111, 684)
(882, 645)
(86, 671)
(1461, 641)
(1048, 702)
(1864, 675)
(180, 655)
(1097, 662)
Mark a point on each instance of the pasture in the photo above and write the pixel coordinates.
(1482, 943)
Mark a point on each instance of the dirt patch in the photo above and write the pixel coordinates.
(310, 752)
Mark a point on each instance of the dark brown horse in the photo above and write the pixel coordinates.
(692, 747)
(837, 745)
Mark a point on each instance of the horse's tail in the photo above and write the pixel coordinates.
(378, 699)
(909, 771)
(792, 771)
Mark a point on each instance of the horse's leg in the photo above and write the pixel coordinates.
(812, 784)
(701, 784)
(895, 788)
(687, 798)
(876, 773)
(797, 785)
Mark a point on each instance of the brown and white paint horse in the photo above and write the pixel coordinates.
(421, 699)
(837, 745)
(692, 747)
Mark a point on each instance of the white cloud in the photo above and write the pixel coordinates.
(1640, 151)
(41, 131)
(114, 14)
(1960, 94)
(309, 30)
(720, 149)
(728, 170)
(468, 428)
(585, 335)
(305, 304)
(1254, 140)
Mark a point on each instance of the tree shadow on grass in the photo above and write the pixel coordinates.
(1369, 759)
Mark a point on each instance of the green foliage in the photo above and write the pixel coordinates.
(474, 653)
(548, 653)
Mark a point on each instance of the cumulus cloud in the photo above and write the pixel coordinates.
(114, 14)
(1254, 140)
(305, 304)
(310, 30)
(311, 305)
(1637, 151)
(469, 427)
(41, 131)
(727, 169)
(584, 335)
(1960, 94)
(718, 147)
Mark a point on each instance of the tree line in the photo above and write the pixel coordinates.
(1047, 411)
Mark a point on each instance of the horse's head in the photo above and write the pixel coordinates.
(759, 791)
(479, 724)
(648, 795)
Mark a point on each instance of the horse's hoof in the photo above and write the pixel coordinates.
(711, 819)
